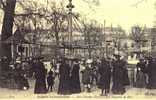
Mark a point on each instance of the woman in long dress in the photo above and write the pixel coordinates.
(151, 72)
(64, 78)
(75, 79)
(40, 75)
(118, 77)
(140, 75)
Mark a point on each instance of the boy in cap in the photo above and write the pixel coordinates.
(50, 80)
(86, 75)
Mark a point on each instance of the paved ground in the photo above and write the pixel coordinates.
(131, 93)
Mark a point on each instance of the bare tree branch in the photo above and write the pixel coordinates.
(2, 5)
(138, 2)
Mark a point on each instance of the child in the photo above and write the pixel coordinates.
(86, 76)
(25, 82)
(50, 80)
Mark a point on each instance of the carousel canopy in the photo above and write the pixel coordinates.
(78, 45)
(17, 38)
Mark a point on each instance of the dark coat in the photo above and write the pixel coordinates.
(86, 76)
(151, 72)
(50, 79)
(75, 79)
(126, 80)
(140, 76)
(19, 78)
(118, 77)
(40, 75)
(105, 75)
(4, 64)
(64, 81)
(94, 73)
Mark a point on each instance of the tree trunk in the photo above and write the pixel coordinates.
(90, 53)
(7, 27)
(57, 45)
(56, 34)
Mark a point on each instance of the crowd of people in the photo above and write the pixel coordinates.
(77, 75)
(145, 73)
(98, 72)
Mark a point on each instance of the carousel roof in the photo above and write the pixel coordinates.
(17, 38)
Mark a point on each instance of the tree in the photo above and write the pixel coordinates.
(92, 3)
(138, 36)
(7, 27)
(33, 13)
(58, 18)
(55, 19)
(138, 2)
(8, 7)
(92, 36)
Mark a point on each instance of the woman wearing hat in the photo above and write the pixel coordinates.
(40, 75)
(64, 79)
(151, 72)
(75, 79)
(118, 75)
(140, 76)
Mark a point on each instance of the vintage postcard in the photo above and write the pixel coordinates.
(77, 49)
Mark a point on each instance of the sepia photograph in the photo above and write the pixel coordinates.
(77, 49)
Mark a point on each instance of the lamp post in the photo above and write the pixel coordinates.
(141, 44)
(107, 44)
(70, 6)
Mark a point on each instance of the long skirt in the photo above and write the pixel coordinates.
(104, 82)
(152, 81)
(118, 88)
(75, 87)
(64, 87)
(118, 82)
(140, 80)
(40, 86)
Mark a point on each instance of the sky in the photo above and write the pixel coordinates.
(115, 12)
(120, 12)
